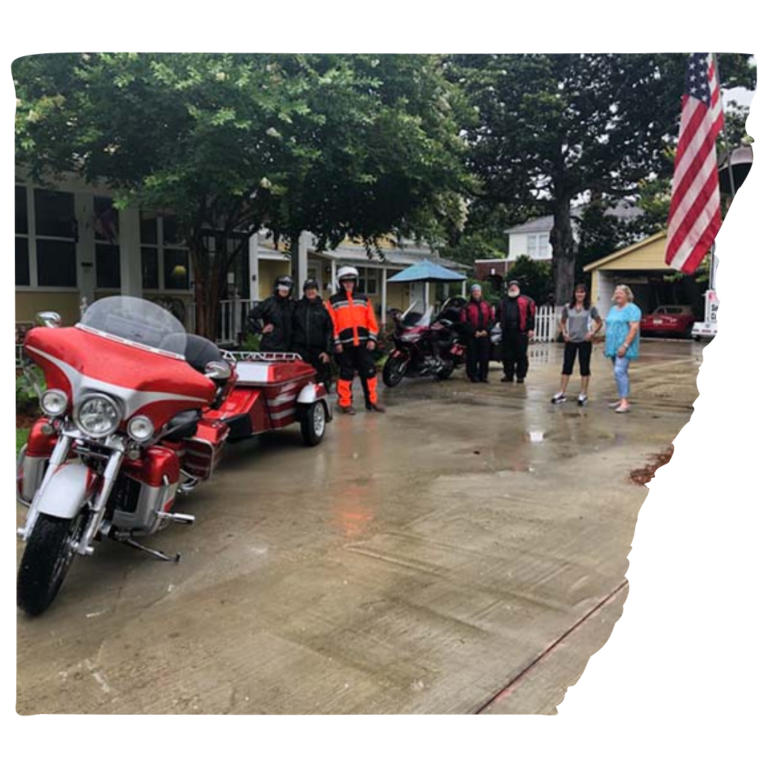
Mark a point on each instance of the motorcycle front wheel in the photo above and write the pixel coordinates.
(394, 370)
(46, 561)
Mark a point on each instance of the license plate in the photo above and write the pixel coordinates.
(658, 321)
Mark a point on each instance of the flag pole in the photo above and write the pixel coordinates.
(726, 141)
(731, 182)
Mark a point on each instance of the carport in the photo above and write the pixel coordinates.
(641, 266)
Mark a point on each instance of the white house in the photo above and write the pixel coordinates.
(532, 239)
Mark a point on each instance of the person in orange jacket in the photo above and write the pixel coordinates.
(354, 335)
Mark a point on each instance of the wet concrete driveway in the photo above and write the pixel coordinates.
(466, 552)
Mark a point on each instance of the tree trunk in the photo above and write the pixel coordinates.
(563, 251)
(207, 288)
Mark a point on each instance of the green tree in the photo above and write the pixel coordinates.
(535, 277)
(554, 128)
(343, 146)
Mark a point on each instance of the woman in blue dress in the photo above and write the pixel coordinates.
(622, 341)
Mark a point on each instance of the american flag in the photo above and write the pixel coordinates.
(694, 215)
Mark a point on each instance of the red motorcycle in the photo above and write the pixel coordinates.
(137, 411)
(423, 347)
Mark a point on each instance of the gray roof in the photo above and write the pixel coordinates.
(542, 224)
(409, 253)
(400, 257)
(623, 210)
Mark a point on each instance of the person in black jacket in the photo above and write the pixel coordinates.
(273, 317)
(313, 332)
(517, 316)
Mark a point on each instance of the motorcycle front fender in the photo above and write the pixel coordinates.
(399, 353)
(71, 486)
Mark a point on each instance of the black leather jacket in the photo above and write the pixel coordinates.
(312, 326)
(278, 312)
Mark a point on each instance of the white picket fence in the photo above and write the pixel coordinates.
(233, 315)
(547, 320)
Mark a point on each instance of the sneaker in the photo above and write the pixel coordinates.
(377, 407)
(521, 381)
(614, 404)
(582, 399)
(559, 398)
(349, 410)
(623, 409)
(507, 378)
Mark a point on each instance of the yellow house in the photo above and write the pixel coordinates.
(73, 247)
(641, 266)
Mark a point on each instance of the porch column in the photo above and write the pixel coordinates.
(464, 289)
(383, 296)
(130, 252)
(299, 251)
(333, 276)
(253, 267)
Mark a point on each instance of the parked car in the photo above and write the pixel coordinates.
(669, 320)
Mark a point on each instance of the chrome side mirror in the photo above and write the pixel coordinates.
(217, 369)
(48, 319)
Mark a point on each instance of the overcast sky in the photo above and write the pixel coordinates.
(742, 95)
(739, 95)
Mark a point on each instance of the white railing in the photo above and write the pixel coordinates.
(547, 320)
(233, 317)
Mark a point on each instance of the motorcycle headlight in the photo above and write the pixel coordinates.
(53, 402)
(97, 416)
(141, 428)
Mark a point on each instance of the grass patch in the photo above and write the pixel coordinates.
(21, 438)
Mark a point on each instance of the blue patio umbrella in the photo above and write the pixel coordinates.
(427, 272)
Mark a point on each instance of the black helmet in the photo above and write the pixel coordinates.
(311, 283)
(285, 281)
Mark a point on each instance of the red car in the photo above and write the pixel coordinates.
(669, 320)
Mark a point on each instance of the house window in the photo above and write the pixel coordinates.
(22, 237)
(538, 246)
(106, 231)
(56, 263)
(22, 261)
(55, 238)
(46, 238)
(150, 268)
(22, 226)
(107, 266)
(54, 214)
(149, 224)
(176, 269)
(369, 280)
(164, 260)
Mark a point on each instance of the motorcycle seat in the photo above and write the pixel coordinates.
(198, 351)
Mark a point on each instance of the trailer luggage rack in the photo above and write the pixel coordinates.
(261, 357)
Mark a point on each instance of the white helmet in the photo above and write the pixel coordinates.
(345, 273)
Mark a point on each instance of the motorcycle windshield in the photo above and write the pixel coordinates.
(136, 322)
(414, 318)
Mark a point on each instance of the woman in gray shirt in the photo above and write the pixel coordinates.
(579, 324)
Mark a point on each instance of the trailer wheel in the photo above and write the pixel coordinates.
(313, 424)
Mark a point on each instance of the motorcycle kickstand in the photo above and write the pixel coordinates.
(154, 552)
